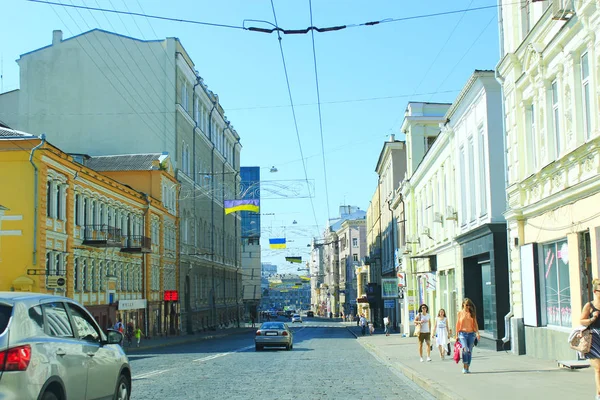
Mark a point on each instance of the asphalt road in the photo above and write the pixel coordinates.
(326, 363)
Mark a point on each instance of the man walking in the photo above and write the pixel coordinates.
(363, 324)
(386, 324)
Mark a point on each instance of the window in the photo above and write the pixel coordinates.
(49, 199)
(585, 92)
(556, 117)
(482, 172)
(196, 111)
(57, 320)
(84, 277)
(86, 330)
(92, 277)
(35, 314)
(463, 194)
(557, 286)
(429, 140)
(77, 209)
(76, 275)
(184, 96)
(355, 242)
(472, 191)
(354, 257)
(532, 139)
(58, 213)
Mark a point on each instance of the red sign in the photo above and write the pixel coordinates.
(171, 295)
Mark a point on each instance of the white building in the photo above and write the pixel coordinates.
(550, 69)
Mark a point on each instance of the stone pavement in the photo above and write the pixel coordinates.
(495, 375)
(163, 341)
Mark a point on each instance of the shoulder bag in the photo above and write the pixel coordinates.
(418, 326)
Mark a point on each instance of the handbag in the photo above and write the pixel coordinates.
(581, 341)
(457, 350)
(449, 350)
(418, 326)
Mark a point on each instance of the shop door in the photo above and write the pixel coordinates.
(488, 296)
(586, 267)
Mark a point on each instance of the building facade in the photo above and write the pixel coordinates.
(550, 76)
(85, 235)
(251, 249)
(146, 97)
(352, 236)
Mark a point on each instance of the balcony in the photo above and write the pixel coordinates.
(137, 244)
(102, 236)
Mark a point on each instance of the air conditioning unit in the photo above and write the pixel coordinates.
(437, 217)
(413, 239)
(563, 10)
(425, 231)
(451, 214)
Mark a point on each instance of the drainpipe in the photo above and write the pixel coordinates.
(389, 203)
(35, 197)
(235, 236)
(507, 317)
(212, 214)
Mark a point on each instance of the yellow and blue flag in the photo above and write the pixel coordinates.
(277, 243)
(297, 260)
(231, 206)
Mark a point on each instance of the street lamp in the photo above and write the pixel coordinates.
(273, 169)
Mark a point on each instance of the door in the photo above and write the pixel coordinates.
(487, 296)
(62, 349)
(585, 251)
(104, 361)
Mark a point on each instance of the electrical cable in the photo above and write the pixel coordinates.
(293, 110)
(312, 34)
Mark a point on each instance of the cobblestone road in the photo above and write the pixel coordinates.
(326, 363)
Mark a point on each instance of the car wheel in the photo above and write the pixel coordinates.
(258, 348)
(49, 396)
(122, 391)
(288, 347)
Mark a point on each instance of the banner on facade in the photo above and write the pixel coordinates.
(389, 288)
(431, 282)
(131, 304)
(401, 279)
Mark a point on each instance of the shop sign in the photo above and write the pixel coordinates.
(171, 295)
(389, 288)
(401, 279)
(55, 282)
(132, 304)
(389, 303)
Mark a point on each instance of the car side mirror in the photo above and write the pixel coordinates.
(113, 336)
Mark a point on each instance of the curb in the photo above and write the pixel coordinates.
(435, 389)
(186, 341)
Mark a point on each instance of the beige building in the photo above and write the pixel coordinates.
(550, 74)
(100, 93)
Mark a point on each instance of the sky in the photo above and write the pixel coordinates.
(365, 77)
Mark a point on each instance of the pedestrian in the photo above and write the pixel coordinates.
(589, 317)
(357, 320)
(363, 324)
(386, 324)
(371, 328)
(252, 320)
(138, 336)
(423, 320)
(440, 329)
(467, 331)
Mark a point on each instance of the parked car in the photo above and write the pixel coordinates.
(274, 334)
(310, 314)
(51, 348)
(296, 318)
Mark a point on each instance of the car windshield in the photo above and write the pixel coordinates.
(272, 325)
(5, 312)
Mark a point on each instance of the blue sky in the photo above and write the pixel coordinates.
(367, 74)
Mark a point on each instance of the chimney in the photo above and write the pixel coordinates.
(56, 37)
(392, 137)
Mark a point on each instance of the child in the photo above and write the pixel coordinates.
(138, 336)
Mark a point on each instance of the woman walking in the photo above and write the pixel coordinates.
(423, 320)
(589, 317)
(440, 329)
(466, 331)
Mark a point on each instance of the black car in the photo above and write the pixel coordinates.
(310, 314)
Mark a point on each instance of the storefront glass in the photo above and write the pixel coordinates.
(555, 258)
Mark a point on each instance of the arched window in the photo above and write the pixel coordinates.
(84, 276)
(92, 276)
(123, 277)
(76, 275)
(101, 277)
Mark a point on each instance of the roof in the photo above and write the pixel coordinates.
(126, 162)
(29, 297)
(6, 133)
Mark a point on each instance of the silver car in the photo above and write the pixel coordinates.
(51, 348)
(274, 334)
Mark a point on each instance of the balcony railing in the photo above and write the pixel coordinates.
(137, 244)
(102, 236)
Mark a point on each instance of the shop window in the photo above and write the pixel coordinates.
(555, 259)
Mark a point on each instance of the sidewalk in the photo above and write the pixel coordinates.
(495, 375)
(163, 341)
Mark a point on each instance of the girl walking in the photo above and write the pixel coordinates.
(441, 332)
(423, 320)
(466, 331)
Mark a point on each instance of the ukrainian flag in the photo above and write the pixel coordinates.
(231, 206)
(297, 260)
(277, 243)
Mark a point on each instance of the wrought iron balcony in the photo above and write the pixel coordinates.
(102, 236)
(137, 244)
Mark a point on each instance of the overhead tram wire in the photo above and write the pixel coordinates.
(312, 34)
(287, 80)
(276, 28)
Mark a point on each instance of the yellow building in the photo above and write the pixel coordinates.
(108, 240)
